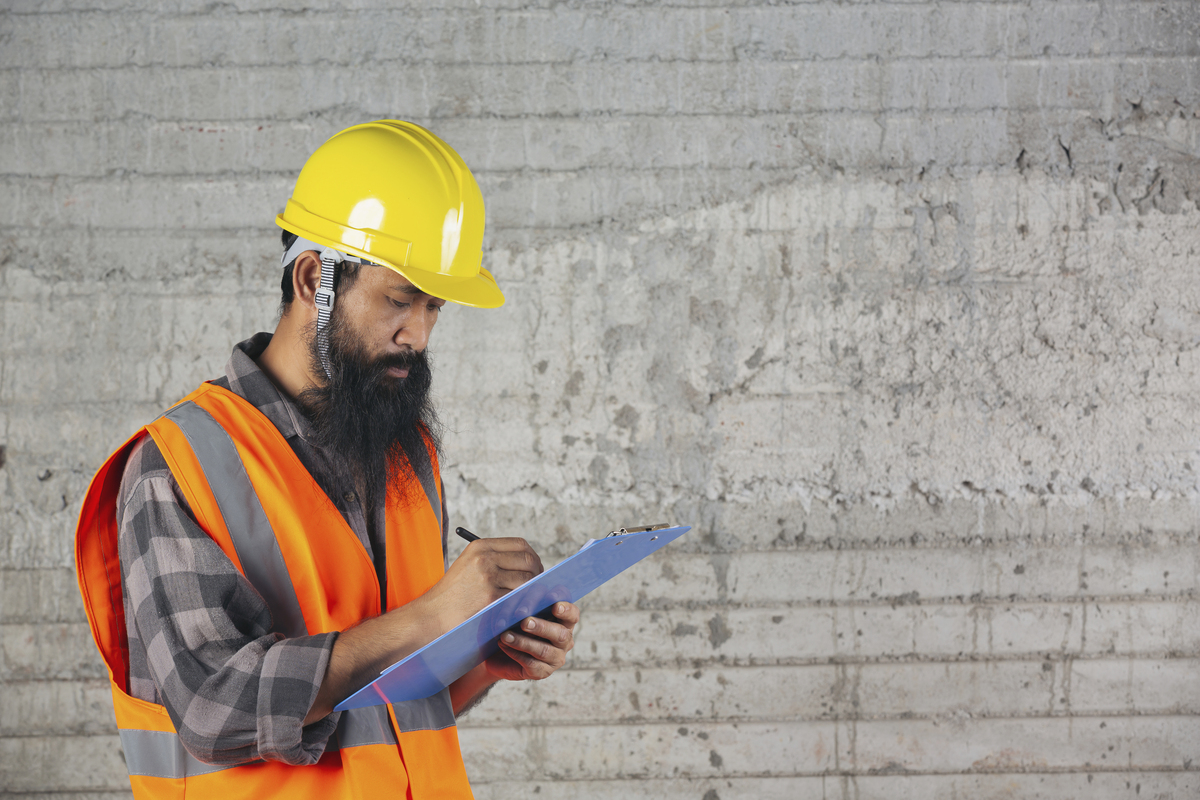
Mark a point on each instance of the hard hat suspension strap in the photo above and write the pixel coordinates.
(324, 298)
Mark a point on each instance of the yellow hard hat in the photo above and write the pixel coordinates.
(393, 193)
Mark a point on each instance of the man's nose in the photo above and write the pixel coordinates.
(416, 329)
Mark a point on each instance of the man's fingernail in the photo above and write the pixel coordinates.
(530, 624)
(509, 638)
(560, 609)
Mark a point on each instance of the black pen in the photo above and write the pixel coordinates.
(466, 534)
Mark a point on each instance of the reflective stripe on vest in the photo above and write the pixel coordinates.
(162, 755)
(158, 754)
(245, 519)
(424, 471)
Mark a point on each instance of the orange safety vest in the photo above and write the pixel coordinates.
(251, 494)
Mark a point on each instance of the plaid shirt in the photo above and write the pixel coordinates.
(200, 640)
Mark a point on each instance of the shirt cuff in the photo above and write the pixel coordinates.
(292, 673)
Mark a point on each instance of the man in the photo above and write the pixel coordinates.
(278, 537)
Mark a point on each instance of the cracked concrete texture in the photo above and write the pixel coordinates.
(848, 340)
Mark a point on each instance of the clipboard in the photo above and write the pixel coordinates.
(447, 658)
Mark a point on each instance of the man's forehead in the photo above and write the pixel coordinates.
(398, 283)
(392, 280)
(395, 282)
(404, 286)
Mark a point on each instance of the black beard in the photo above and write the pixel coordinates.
(371, 421)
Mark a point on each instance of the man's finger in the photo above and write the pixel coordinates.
(511, 646)
(567, 612)
(523, 560)
(505, 543)
(511, 579)
(553, 632)
(538, 649)
(534, 667)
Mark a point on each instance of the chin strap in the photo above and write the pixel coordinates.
(325, 296)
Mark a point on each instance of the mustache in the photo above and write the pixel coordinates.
(406, 359)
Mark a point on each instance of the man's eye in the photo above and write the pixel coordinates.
(398, 303)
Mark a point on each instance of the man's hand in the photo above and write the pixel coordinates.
(539, 648)
(532, 654)
(484, 572)
(489, 569)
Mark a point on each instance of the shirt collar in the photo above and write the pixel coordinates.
(249, 382)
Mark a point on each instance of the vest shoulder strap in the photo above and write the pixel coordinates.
(235, 515)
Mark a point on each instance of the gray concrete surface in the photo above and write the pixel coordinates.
(896, 302)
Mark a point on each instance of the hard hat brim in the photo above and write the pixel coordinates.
(477, 291)
(480, 291)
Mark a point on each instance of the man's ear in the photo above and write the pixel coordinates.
(306, 279)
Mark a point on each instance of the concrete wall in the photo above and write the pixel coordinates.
(896, 302)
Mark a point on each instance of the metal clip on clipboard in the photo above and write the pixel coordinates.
(638, 529)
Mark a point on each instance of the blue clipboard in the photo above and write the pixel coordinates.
(450, 656)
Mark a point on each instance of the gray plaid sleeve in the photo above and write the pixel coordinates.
(200, 635)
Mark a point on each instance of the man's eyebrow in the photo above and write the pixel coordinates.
(404, 288)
